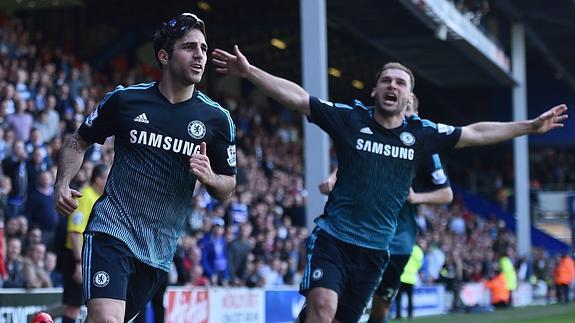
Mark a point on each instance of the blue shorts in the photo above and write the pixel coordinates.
(352, 272)
(110, 270)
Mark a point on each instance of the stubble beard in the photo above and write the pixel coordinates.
(390, 113)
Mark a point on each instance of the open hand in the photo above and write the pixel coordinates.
(234, 65)
(550, 119)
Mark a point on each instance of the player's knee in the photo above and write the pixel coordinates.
(322, 308)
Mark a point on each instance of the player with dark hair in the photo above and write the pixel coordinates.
(378, 151)
(168, 135)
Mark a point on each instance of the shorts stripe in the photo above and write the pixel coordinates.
(87, 264)
(311, 246)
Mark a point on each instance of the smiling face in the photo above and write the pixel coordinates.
(186, 62)
(392, 92)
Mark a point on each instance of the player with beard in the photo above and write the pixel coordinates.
(378, 151)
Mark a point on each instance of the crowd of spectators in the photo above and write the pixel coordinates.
(257, 238)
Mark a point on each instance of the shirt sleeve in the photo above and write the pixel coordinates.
(436, 175)
(102, 122)
(439, 137)
(222, 149)
(329, 116)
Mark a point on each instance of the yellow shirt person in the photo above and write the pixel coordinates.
(79, 219)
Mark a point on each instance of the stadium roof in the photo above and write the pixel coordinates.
(550, 31)
(362, 34)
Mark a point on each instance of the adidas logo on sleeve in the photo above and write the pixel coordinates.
(142, 118)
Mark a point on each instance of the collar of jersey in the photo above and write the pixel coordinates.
(407, 121)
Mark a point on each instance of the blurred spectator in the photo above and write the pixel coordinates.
(452, 275)
(498, 286)
(197, 277)
(51, 122)
(434, 260)
(3, 270)
(35, 142)
(564, 277)
(508, 269)
(55, 276)
(238, 252)
(14, 264)
(13, 229)
(457, 224)
(35, 273)
(36, 164)
(34, 236)
(239, 211)
(41, 208)
(254, 276)
(214, 253)
(272, 274)
(409, 278)
(5, 189)
(20, 122)
(15, 168)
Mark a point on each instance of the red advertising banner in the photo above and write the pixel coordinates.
(187, 305)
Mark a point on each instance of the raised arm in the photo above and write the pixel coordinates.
(285, 92)
(71, 156)
(486, 133)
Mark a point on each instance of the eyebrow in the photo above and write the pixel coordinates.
(194, 42)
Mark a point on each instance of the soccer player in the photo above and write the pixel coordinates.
(378, 151)
(168, 135)
(430, 186)
(72, 298)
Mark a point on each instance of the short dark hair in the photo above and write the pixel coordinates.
(399, 66)
(174, 29)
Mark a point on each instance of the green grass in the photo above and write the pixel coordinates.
(557, 313)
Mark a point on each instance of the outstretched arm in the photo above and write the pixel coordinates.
(486, 133)
(71, 157)
(439, 196)
(285, 92)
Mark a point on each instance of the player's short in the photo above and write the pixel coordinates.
(352, 272)
(73, 295)
(110, 270)
(391, 279)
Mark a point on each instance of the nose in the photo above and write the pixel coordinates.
(198, 53)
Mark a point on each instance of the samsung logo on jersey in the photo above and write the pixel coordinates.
(386, 150)
(164, 142)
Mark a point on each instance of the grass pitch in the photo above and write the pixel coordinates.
(556, 313)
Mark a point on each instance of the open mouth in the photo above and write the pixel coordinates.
(197, 67)
(390, 98)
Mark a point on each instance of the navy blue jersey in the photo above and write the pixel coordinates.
(147, 198)
(376, 167)
(430, 176)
